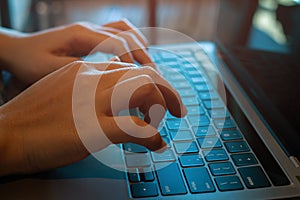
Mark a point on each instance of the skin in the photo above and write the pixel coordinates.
(37, 126)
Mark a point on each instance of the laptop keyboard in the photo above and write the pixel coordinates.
(206, 152)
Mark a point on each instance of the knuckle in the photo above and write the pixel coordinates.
(146, 80)
(146, 84)
(120, 45)
(149, 71)
(120, 41)
(78, 26)
(128, 35)
(124, 21)
(77, 30)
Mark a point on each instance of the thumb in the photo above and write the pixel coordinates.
(123, 129)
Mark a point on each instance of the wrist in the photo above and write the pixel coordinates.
(9, 43)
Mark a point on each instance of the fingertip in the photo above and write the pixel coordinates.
(181, 112)
(163, 148)
(127, 58)
(159, 148)
(184, 110)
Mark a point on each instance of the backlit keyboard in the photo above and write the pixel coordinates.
(206, 151)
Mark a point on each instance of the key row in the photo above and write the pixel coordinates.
(198, 180)
(136, 160)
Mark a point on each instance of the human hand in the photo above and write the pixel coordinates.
(39, 131)
(32, 56)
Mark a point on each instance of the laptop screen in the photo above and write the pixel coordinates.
(267, 70)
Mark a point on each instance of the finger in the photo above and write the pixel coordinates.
(125, 25)
(88, 41)
(109, 66)
(172, 98)
(138, 92)
(137, 49)
(123, 129)
(139, 52)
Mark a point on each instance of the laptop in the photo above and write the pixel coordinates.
(240, 139)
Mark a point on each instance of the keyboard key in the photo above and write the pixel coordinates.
(191, 160)
(189, 59)
(174, 65)
(213, 104)
(138, 160)
(177, 124)
(224, 124)
(187, 92)
(234, 147)
(170, 179)
(181, 85)
(198, 180)
(186, 147)
(167, 155)
(198, 80)
(166, 56)
(215, 155)
(254, 177)
(134, 148)
(203, 87)
(134, 176)
(227, 183)
(188, 66)
(208, 95)
(200, 55)
(170, 116)
(195, 110)
(188, 101)
(161, 124)
(176, 77)
(139, 190)
(198, 120)
(181, 135)
(167, 141)
(146, 174)
(163, 132)
(195, 73)
(244, 159)
(231, 135)
(218, 113)
(185, 53)
(209, 142)
(222, 168)
(203, 131)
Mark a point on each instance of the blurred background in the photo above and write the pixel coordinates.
(261, 24)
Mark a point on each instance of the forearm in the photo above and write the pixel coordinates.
(11, 150)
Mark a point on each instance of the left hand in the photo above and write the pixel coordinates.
(30, 57)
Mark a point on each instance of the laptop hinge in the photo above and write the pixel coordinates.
(295, 161)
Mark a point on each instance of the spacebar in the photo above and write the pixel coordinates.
(170, 179)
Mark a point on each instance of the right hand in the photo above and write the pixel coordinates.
(38, 125)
